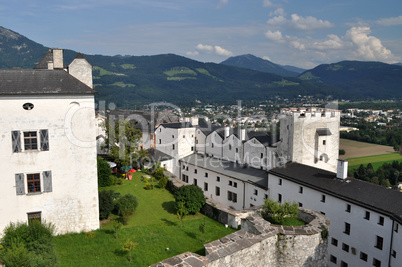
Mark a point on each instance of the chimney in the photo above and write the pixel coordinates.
(227, 130)
(342, 169)
(58, 59)
(81, 69)
(242, 134)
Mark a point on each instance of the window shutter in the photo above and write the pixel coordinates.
(16, 141)
(47, 181)
(44, 140)
(19, 183)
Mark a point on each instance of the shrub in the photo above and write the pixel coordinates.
(148, 186)
(120, 181)
(192, 197)
(342, 152)
(144, 179)
(163, 182)
(275, 212)
(105, 203)
(103, 173)
(125, 206)
(28, 245)
(159, 173)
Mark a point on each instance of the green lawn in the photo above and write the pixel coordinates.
(376, 160)
(154, 227)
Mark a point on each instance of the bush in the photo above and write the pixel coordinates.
(28, 245)
(103, 173)
(163, 182)
(192, 197)
(275, 212)
(159, 173)
(342, 152)
(148, 186)
(125, 206)
(105, 203)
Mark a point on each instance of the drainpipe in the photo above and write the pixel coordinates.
(390, 246)
(244, 195)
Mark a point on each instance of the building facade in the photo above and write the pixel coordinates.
(48, 147)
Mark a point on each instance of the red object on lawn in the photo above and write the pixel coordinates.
(132, 170)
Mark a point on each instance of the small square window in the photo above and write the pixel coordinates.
(323, 198)
(324, 142)
(381, 220)
(173, 146)
(265, 196)
(379, 242)
(345, 247)
(376, 262)
(300, 204)
(30, 141)
(396, 227)
(344, 264)
(34, 216)
(279, 198)
(195, 182)
(33, 181)
(217, 191)
(255, 192)
(367, 215)
(363, 256)
(206, 174)
(347, 228)
(218, 179)
(195, 171)
(332, 259)
(230, 183)
(280, 182)
(348, 208)
(334, 242)
(234, 184)
(301, 189)
(205, 186)
(393, 254)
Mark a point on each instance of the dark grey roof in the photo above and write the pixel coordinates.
(368, 195)
(323, 131)
(43, 63)
(37, 81)
(177, 125)
(263, 138)
(158, 155)
(230, 169)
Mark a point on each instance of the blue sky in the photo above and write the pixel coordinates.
(289, 32)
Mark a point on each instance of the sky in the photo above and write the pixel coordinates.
(288, 32)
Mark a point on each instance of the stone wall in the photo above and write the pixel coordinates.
(260, 243)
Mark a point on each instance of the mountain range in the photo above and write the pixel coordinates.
(137, 80)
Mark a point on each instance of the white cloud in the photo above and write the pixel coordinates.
(278, 12)
(368, 47)
(216, 49)
(222, 3)
(390, 21)
(192, 53)
(332, 42)
(274, 36)
(309, 23)
(267, 3)
(278, 20)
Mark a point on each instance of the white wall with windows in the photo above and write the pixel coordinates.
(354, 229)
(48, 159)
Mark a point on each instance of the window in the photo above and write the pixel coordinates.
(301, 189)
(234, 184)
(348, 208)
(195, 181)
(195, 171)
(192, 148)
(363, 256)
(160, 141)
(230, 183)
(367, 215)
(232, 196)
(217, 191)
(206, 174)
(347, 228)
(345, 247)
(332, 259)
(265, 196)
(205, 186)
(323, 198)
(172, 136)
(237, 150)
(34, 217)
(379, 242)
(381, 220)
(280, 182)
(255, 192)
(300, 204)
(184, 136)
(262, 155)
(230, 147)
(393, 254)
(218, 179)
(344, 264)
(30, 141)
(323, 142)
(279, 198)
(376, 262)
(396, 227)
(184, 167)
(334, 242)
(173, 146)
(212, 145)
(33, 181)
(28, 106)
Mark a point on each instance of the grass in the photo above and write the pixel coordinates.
(180, 71)
(376, 160)
(154, 226)
(292, 221)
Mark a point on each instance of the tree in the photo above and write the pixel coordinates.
(126, 206)
(103, 173)
(129, 246)
(275, 212)
(106, 204)
(342, 152)
(181, 212)
(122, 140)
(28, 245)
(117, 226)
(192, 197)
(163, 182)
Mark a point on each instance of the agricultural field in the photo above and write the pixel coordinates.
(364, 153)
(154, 226)
(356, 149)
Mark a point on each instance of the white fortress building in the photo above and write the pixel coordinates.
(48, 149)
(241, 170)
